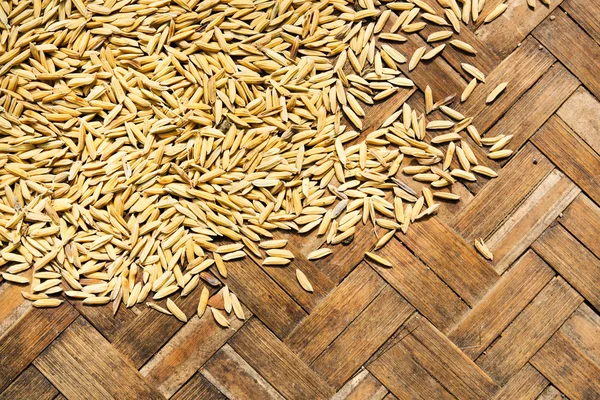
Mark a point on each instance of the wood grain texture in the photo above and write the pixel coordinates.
(502, 304)
(338, 265)
(316, 332)
(277, 363)
(198, 387)
(506, 194)
(581, 112)
(13, 306)
(504, 34)
(582, 220)
(572, 46)
(444, 361)
(490, 5)
(393, 340)
(555, 139)
(404, 377)
(21, 344)
(579, 266)
(362, 386)
(187, 351)
(31, 384)
(251, 284)
(431, 241)
(530, 330)
(286, 277)
(104, 321)
(568, 368)
(421, 286)
(582, 331)
(530, 112)
(531, 218)
(245, 383)
(551, 393)
(363, 337)
(528, 383)
(586, 15)
(139, 340)
(100, 372)
(521, 70)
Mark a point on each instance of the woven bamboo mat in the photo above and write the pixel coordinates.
(443, 323)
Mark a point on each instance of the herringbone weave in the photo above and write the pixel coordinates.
(443, 322)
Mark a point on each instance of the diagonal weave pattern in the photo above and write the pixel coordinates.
(443, 323)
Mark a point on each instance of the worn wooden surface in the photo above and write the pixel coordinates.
(443, 323)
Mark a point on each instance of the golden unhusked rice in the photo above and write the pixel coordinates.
(149, 148)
